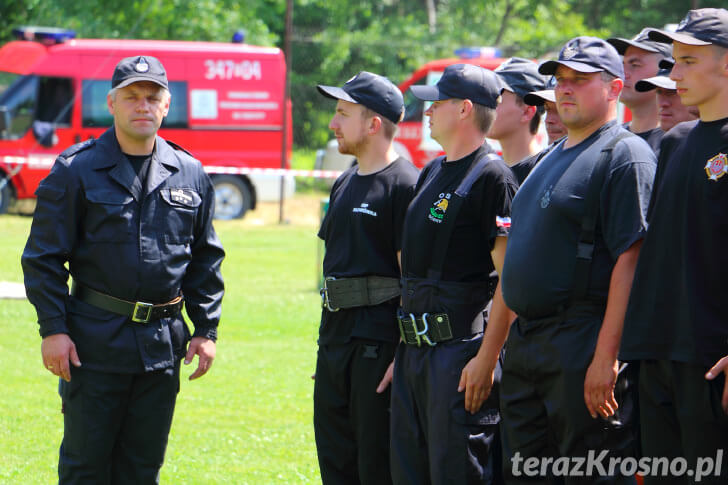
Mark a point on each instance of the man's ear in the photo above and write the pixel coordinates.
(615, 88)
(375, 124)
(466, 107)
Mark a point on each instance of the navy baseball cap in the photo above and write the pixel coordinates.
(666, 64)
(520, 76)
(539, 98)
(587, 54)
(139, 68)
(463, 81)
(375, 92)
(662, 80)
(642, 41)
(703, 26)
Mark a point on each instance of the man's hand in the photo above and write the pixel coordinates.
(205, 349)
(476, 380)
(57, 351)
(601, 376)
(386, 380)
(720, 366)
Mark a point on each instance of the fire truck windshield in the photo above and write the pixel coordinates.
(17, 106)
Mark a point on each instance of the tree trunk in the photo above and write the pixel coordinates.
(504, 22)
(431, 15)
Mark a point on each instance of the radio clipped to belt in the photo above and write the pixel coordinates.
(428, 328)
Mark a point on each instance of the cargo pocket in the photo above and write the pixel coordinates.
(109, 216)
(177, 214)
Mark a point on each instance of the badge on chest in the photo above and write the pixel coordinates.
(717, 166)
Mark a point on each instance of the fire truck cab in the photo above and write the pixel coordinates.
(227, 109)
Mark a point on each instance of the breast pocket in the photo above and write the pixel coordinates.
(177, 213)
(109, 215)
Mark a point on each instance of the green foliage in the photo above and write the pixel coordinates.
(334, 39)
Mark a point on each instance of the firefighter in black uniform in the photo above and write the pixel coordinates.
(453, 245)
(578, 222)
(131, 215)
(358, 333)
(677, 319)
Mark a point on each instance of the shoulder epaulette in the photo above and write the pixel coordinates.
(78, 147)
(177, 147)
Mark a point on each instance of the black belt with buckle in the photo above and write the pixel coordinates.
(138, 311)
(339, 293)
(433, 328)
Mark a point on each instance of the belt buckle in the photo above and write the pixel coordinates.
(423, 334)
(142, 312)
(324, 292)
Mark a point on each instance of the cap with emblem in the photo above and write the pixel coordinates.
(587, 54)
(375, 92)
(539, 98)
(520, 76)
(703, 26)
(463, 81)
(139, 68)
(642, 41)
(662, 80)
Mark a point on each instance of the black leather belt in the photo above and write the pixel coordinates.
(138, 311)
(339, 293)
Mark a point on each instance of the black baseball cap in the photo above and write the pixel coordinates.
(520, 76)
(703, 26)
(375, 92)
(666, 64)
(662, 80)
(587, 54)
(539, 98)
(139, 68)
(463, 81)
(641, 41)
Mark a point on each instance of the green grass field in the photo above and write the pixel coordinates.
(248, 421)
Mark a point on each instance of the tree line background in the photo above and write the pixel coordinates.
(334, 39)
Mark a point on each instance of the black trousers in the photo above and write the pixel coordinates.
(542, 401)
(682, 417)
(351, 421)
(116, 426)
(434, 440)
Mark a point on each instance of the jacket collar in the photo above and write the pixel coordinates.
(164, 163)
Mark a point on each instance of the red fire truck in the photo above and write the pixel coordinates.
(227, 108)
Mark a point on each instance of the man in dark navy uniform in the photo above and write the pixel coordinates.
(641, 57)
(358, 335)
(677, 319)
(578, 221)
(131, 216)
(516, 123)
(443, 429)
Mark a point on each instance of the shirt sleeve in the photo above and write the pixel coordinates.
(51, 240)
(203, 285)
(404, 192)
(499, 189)
(626, 195)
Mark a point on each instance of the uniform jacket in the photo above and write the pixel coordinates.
(135, 243)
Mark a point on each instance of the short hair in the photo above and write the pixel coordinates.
(484, 117)
(388, 128)
(719, 51)
(536, 120)
(607, 77)
(112, 93)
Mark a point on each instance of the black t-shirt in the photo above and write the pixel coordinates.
(484, 214)
(524, 167)
(140, 164)
(547, 215)
(653, 137)
(678, 309)
(362, 231)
